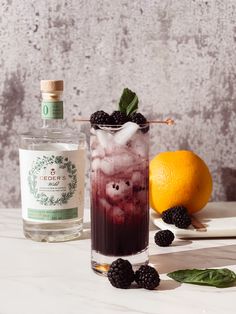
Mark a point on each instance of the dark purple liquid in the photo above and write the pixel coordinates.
(120, 207)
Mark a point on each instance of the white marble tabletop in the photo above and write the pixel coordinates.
(50, 278)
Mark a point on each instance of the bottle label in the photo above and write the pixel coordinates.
(52, 185)
(52, 110)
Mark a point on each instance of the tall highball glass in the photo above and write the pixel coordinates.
(119, 195)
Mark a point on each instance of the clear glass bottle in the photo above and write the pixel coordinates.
(52, 166)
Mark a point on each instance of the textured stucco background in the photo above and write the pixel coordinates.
(179, 56)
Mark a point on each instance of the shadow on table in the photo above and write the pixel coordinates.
(168, 285)
(221, 256)
(181, 242)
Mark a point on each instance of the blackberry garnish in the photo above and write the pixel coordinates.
(121, 274)
(100, 117)
(164, 238)
(140, 120)
(119, 118)
(147, 277)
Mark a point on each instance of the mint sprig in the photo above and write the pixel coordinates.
(128, 102)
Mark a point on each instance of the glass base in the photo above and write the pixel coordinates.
(100, 263)
(53, 232)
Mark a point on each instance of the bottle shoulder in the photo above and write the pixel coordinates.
(53, 133)
(42, 138)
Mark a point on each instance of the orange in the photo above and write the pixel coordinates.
(179, 178)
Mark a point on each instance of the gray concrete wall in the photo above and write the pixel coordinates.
(179, 56)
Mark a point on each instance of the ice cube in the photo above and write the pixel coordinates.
(93, 142)
(117, 215)
(96, 164)
(136, 178)
(93, 131)
(116, 163)
(125, 133)
(104, 205)
(105, 138)
(118, 190)
(98, 152)
(139, 145)
(123, 161)
(107, 167)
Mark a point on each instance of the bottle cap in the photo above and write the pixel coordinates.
(51, 86)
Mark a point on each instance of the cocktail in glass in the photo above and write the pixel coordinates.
(119, 194)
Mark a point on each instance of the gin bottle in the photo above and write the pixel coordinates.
(52, 165)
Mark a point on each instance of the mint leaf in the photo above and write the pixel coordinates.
(133, 106)
(128, 102)
(220, 278)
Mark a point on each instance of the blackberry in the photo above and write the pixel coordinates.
(180, 209)
(100, 117)
(164, 237)
(121, 274)
(181, 219)
(119, 117)
(147, 277)
(167, 216)
(140, 120)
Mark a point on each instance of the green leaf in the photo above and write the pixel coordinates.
(220, 278)
(133, 106)
(128, 102)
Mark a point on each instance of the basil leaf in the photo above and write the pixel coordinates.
(220, 278)
(128, 102)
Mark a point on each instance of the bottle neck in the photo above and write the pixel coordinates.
(52, 110)
(52, 123)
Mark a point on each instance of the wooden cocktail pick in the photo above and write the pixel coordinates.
(167, 121)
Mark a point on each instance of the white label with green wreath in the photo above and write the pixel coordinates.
(51, 186)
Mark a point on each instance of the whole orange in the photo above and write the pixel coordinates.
(179, 178)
